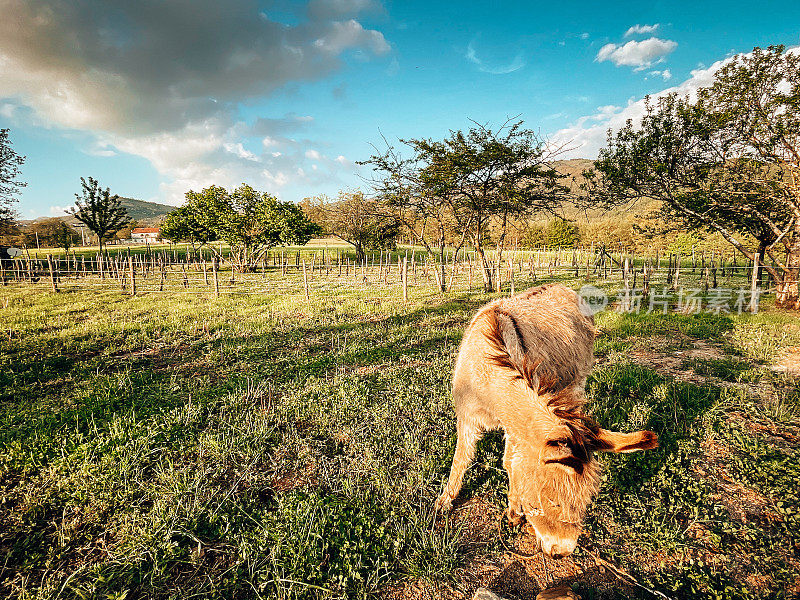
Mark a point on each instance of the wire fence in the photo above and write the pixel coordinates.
(325, 271)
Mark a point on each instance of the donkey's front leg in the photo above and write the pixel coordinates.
(468, 435)
(514, 511)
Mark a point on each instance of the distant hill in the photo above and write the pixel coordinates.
(145, 213)
(573, 168)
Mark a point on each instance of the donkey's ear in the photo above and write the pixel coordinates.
(565, 450)
(613, 441)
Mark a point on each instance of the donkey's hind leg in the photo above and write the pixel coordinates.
(514, 512)
(469, 432)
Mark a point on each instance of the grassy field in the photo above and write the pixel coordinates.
(262, 446)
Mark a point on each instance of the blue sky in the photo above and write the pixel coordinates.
(156, 98)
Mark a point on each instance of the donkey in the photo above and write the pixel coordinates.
(522, 368)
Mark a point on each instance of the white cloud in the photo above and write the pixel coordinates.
(58, 211)
(584, 36)
(639, 29)
(135, 66)
(312, 154)
(637, 54)
(515, 65)
(666, 74)
(145, 79)
(587, 135)
(239, 150)
(342, 35)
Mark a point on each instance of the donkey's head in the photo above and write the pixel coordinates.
(567, 477)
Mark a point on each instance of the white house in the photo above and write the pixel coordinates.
(146, 234)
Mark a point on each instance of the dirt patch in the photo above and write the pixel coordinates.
(789, 362)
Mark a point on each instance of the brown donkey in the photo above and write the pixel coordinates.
(522, 367)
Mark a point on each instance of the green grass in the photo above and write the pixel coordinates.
(173, 445)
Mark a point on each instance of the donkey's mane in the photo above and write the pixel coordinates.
(559, 392)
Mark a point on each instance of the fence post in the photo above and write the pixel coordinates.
(405, 279)
(215, 269)
(305, 281)
(754, 286)
(132, 274)
(52, 273)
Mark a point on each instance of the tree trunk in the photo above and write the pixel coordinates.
(486, 269)
(442, 270)
(360, 256)
(786, 286)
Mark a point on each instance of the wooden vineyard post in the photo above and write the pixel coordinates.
(305, 281)
(404, 277)
(132, 273)
(215, 269)
(52, 273)
(205, 271)
(754, 286)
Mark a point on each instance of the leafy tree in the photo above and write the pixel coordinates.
(101, 212)
(125, 232)
(561, 233)
(728, 161)
(474, 180)
(51, 233)
(423, 200)
(251, 222)
(10, 163)
(363, 222)
(534, 236)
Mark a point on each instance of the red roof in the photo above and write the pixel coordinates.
(146, 230)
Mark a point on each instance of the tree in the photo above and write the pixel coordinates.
(251, 222)
(728, 161)
(473, 181)
(258, 221)
(422, 198)
(561, 233)
(10, 163)
(101, 212)
(126, 231)
(363, 222)
(51, 233)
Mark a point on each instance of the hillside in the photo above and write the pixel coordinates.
(145, 213)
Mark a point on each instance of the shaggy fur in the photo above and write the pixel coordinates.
(522, 367)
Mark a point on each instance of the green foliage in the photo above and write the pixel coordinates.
(724, 162)
(101, 212)
(10, 163)
(534, 236)
(51, 233)
(562, 234)
(364, 222)
(251, 222)
(471, 182)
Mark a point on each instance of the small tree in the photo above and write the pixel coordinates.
(251, 222)
(10, 163)
(478, 180)
(51, 233)
(363, 222)
(561, 233)
(101, 212)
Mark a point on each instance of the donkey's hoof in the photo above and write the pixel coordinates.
(444, 504)
(515, 519)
